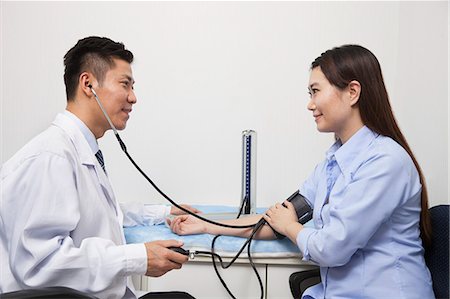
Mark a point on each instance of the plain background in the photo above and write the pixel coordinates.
(206, 71)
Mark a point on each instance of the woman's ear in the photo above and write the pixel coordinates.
(354, 89)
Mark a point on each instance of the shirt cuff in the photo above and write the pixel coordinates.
(168, 209)
(155, 214)
(136, 259)
(302, 241)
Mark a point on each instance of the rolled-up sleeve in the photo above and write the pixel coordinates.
(302, 241)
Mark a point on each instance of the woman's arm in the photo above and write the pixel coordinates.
(188, 225)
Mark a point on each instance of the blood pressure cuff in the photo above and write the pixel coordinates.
(302, 208)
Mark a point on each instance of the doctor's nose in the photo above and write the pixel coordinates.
(132, 97)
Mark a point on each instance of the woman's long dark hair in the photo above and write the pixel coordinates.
(341, 65)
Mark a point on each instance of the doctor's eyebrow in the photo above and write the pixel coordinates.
(129, 78)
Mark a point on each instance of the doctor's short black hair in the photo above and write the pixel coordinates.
(93, 54)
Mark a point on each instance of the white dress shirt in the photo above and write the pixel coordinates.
(60, 224)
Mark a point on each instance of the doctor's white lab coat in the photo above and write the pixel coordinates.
(60, 224)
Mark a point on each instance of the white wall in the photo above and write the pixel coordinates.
(207, 71)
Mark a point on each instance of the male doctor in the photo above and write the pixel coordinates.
(60, 224)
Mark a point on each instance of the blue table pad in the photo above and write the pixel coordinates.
(224, 244)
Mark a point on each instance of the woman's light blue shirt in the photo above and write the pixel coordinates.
(366, 236)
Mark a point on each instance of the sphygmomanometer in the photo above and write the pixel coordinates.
(302, 208)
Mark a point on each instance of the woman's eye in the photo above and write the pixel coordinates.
(313, 91)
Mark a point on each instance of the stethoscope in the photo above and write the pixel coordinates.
(255, 226)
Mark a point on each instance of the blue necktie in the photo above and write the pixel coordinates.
(99, 157)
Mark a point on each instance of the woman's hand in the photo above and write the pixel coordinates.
(176, 211)
(284, 220)
(187, 225)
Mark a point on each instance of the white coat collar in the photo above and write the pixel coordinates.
(88, 135)
(76, 136)
(84, 152)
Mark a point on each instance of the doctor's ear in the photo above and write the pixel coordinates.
(86, 82)
(354, 89)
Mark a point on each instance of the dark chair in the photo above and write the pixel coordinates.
(49, 292)
(68, 293)
(300, 281)
(436, 256)
(167, 295)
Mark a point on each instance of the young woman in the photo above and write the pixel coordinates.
(369, 195)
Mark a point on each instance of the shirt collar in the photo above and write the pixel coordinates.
(88, 135)
(346, 154)
(332, 150)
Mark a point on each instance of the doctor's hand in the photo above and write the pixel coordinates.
(284, 220)
(160, 259)
(176, 211)
(187, 225)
